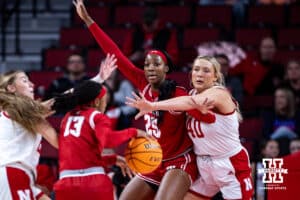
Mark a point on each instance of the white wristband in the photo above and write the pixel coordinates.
(97, 79)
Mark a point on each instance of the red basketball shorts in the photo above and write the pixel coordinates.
(186, 162)
(98, 186)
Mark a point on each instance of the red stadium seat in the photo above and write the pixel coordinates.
(97, 2)
(48, 151)
(42, 79)
(100, 15)
(192, 37)
(118, 35)
(57, 57)
(294, 15)
(249, 145)
(250, 38)
(179, 15)
(214, 15)
(182, 79)
(253, 103)
(283, 56)
(187, 56)
(55, 121)
(251, 129)
(266, 15)
(253, 53)
(94, 58)
(289, 37)
(78, 37)
(129, 14)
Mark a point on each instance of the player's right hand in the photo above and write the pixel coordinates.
(82, 12)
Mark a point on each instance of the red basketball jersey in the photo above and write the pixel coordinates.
(171, 133)
(83, 135)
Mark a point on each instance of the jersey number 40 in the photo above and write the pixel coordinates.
(194, 128)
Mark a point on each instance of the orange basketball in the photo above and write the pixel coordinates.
(143, 155)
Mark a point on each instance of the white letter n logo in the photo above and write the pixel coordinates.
(24, 194)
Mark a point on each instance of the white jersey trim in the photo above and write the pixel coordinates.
(91, 119)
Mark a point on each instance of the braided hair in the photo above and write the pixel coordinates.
(83, 94)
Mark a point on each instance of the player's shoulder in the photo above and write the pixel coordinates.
(219, 91)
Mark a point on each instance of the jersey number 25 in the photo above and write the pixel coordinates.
(151, 126)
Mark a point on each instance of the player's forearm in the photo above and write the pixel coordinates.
(88, 21)
(182, 103)
(49, 133)
(110, 138)
(132, 73)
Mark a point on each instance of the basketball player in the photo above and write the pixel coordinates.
(22, 125)
(21, 119)
(84, 132)
(178, 169)
(222, 161)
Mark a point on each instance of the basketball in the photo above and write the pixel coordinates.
(143, 155)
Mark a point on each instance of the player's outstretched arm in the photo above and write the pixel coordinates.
(48, 132)
(131, 72)
(182, 103)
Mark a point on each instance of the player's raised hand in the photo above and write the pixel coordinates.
(107, 66)
(140, 103)
(82, 12)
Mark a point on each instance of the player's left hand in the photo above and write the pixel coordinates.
(48, 104)
(81, 9)
(124, 167)
(203, 105)
(140, 103)
(107, 66)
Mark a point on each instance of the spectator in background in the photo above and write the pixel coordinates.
(293, 79)
(279, 2)
(295, 145)
(233, 84)
(237, 5)
(283, 121)
(273, 71)
(120, 89)
(75, 74)
(268, 149)
(151, 34)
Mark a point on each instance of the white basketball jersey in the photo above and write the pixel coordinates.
(18, 147)
(219, 139)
